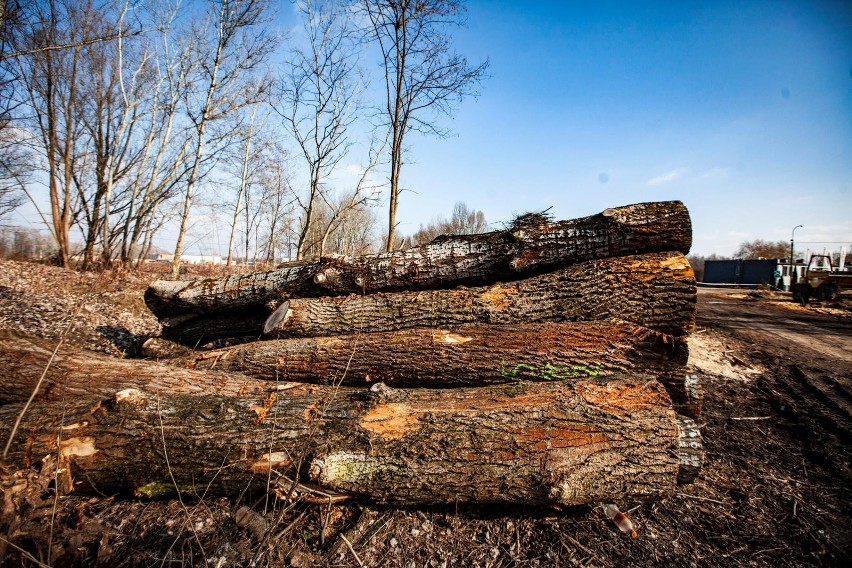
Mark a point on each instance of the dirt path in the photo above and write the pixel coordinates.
(801, 333)
(778, 379)
(808, 357)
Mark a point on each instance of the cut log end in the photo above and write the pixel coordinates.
(277, 318)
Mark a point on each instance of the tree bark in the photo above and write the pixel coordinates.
(654, 290)
(528, 248)
(457, 357)
(74, 374)
(469, 356)
(531, 443)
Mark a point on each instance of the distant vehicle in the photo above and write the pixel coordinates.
(822, 280)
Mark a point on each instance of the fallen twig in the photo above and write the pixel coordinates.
(352, 550)
(742, 418)
(687, 495)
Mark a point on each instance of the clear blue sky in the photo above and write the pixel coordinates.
(743, 110)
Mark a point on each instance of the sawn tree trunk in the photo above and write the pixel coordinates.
(530, 443)
(456, 357)
(654, 290)
(531, 246)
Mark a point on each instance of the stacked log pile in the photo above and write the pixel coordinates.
(542, 364)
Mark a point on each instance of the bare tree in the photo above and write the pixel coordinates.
(51, 80)
(245, 160)
(114, 88)
(464, 221)
(236, 46)
(14, 169)
(424, 77)
(14, 159)
(759, 248)
(340, 228)
(277, 212)
(165, 142)
(354, 230)
(320, 101)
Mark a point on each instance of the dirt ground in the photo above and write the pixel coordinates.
(774, 491)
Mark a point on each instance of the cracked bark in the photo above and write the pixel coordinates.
(654, 290)
(521, 251)
(585, 441)
(466, 356)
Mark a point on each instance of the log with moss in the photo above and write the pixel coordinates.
(468, 356)
(533, 245)
(584, 441)
(455, 357)
(654, 290)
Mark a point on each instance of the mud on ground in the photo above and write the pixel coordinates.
(775, 490)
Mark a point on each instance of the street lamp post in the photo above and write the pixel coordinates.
(793, 275)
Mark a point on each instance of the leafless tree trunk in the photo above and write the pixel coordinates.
(320, 101)
(112, 105)
(167, 146)
(52, 82)
(244, 177)
(238, 47)
(423, 76)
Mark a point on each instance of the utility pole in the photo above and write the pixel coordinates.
(793, 275)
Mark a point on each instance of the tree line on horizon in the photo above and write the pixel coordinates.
(117, 117)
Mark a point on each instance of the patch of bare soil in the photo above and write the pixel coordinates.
(775, 489)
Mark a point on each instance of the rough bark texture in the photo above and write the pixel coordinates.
(526, 249)
(75, 374)
(654, 290)
(458, 357)
(569, 443)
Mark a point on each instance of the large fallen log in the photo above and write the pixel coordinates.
(568, 443)
(654, 290)
(71, 374)
(552, 352)
(458, 357)
(529, 247)
(469, 356)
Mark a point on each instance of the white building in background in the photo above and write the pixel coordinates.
(210, 259)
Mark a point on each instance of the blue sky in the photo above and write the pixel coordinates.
(743, 110)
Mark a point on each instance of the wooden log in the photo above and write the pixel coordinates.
(73, 373)
(654, 290)
(457, 357)
(595, 350)
(527, 248)
(531, 443)
(469, 356)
